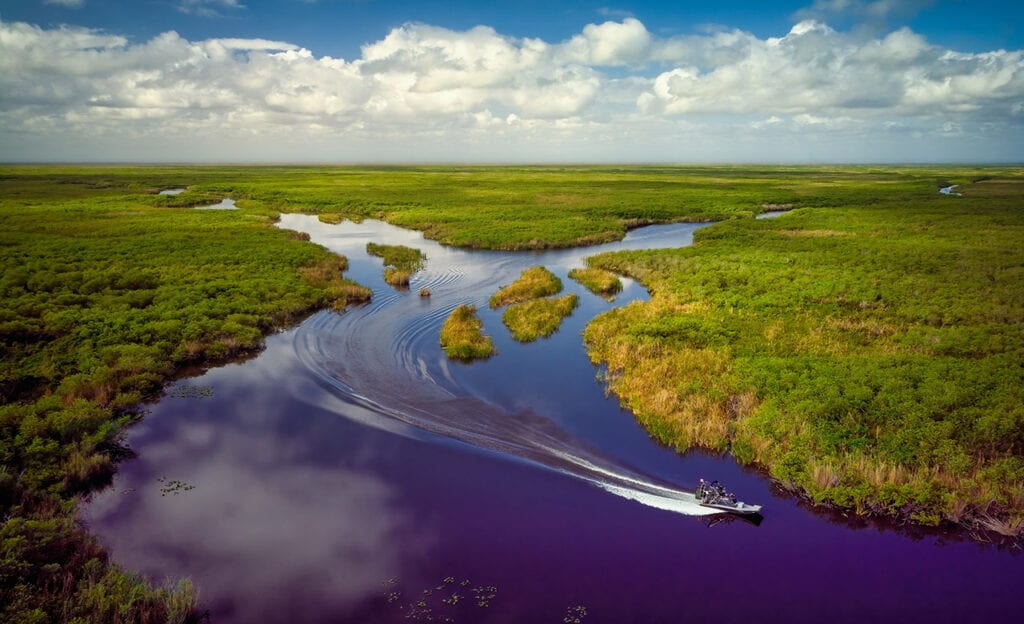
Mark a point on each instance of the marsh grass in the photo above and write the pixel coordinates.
(327, 275)
(598, 281)
(53, 571)
(865, 347)
(107, 292)
(330, 218)
(398, 278)
(533, 283)
(400, 262)
(538, 318)
(881, 345)
(462, 336)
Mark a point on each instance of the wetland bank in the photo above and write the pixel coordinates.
(863, 349)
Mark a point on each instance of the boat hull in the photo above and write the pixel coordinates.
(738, 508)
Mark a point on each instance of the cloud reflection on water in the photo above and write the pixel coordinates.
(278, 518)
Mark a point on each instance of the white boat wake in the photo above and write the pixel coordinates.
(428, 405)
(383, 360)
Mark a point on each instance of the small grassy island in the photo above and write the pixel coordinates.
(538, 318)
(865, 348)
(533, 283)
(462, 336)
(400, 262)
(598, 281)
(532, 313)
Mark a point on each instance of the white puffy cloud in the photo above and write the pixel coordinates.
(73, 4)
(611, 43)
(816, 70)
(431, 89)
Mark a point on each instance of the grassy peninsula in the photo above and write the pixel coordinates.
(400, 262)
(598, 281)
(868, 354)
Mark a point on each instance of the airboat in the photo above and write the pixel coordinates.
(715, 495)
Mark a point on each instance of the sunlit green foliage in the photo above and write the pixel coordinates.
(51, 571)
(400, 262)
(107, 291)
(868, 355)
(598, 281)
(512, 207)
(866, 347)
(330, 217)
(534, 282)
(462, 336)
(538, 318)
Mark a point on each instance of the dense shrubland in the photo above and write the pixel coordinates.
(107, 292)
(866, 349)
(869, 356)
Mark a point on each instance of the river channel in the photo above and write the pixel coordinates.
(351, 473)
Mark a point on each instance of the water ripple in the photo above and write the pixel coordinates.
(409, 381)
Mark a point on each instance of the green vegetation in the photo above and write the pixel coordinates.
(400, 262)
(531, 313)
(330, 217)
(598, 281)
(867, 355)
(54, 572)
(534, 282)
(107, 292)
(864, 348)
(462, 336)
(537, 318)
(494, 207)
(514, 207)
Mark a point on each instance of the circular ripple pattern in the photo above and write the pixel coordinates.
(412, 382)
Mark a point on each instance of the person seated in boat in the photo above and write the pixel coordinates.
(706, 491)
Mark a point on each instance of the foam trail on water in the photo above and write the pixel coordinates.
(382, 364)
(523, 436)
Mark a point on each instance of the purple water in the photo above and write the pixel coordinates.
(350, 473)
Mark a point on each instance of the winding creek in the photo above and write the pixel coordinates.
(351, 473)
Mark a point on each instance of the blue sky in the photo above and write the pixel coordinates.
(367, 80)
(340, 27)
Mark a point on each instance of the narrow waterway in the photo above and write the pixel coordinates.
(351, 473)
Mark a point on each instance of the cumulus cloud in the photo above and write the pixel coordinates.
(73, 4)
(814, 69)
(611, 43)
(615, 85)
